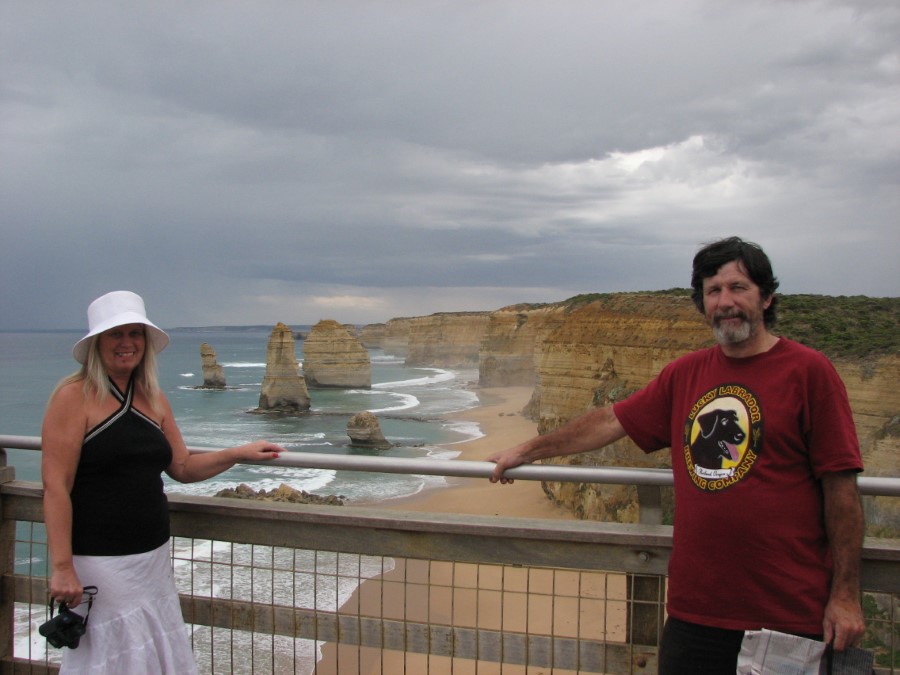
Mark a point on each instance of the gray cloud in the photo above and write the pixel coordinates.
(269, 161)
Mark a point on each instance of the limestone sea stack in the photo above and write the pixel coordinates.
(334, 357)
(283, 387)
(364, 431)
(213, 375)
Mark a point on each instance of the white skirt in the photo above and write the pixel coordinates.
(135, 623)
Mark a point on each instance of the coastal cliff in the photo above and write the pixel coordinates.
(511, 347)
(609, 347)
(594, 350)
(603, 350)
(372, 335)
(394, 336)
(443, 340)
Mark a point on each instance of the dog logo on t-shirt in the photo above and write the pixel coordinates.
(722, 437)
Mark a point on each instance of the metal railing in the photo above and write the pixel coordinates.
(284, 588)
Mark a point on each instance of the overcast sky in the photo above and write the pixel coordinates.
(255, 162)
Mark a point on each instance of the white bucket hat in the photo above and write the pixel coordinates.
(118, 308)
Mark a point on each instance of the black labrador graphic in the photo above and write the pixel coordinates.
(720, 436)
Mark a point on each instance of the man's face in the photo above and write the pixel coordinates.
(733, 304)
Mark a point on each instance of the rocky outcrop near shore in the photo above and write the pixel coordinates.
(283, 493)
(333, 357)
(213, 374)
(364, 431)
(283, 388)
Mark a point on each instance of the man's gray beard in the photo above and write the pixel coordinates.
(732, 336)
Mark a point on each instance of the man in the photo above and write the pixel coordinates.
(768, 521)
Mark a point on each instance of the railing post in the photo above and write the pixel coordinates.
(650, 504)
(647, 594)
(646, 609)
(7, 570)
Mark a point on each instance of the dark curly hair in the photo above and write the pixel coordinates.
(754, 260)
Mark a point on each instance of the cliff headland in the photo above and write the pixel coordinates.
(594, 349)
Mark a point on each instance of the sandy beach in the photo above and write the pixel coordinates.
(422, 591)
(503, 426)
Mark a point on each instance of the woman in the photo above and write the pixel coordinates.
(108, 434)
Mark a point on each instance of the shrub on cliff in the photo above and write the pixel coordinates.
(839, 326)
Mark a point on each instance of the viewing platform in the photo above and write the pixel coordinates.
(343, 590)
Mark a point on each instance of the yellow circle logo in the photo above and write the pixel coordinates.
(722, 437)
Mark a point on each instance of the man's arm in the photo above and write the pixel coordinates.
(843, 622)
(592, 430)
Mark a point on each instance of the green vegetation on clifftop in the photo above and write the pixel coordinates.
(843, 326)
(839, 326)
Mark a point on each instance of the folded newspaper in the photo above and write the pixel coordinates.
(768, 652)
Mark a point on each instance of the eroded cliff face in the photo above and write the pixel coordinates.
(608, 349)
(372, 335)
(577, 357)
(512, 342)
(395, 336)
(333, 357)
(601, 353)
(875, 400)
(446, 340)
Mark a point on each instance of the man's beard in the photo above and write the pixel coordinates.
(732, 335)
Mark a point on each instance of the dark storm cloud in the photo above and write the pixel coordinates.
(252, 162)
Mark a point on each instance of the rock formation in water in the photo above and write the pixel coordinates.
(364, 430)
(213, 375)
(283, 387)
(333, 357)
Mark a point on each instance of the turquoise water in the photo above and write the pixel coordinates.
(409, 403)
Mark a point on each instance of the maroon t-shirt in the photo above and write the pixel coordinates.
(750, 439)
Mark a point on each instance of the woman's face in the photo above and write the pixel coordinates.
(122, 348)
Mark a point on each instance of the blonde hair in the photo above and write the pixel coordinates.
(95, 379)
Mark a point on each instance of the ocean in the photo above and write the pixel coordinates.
(409, 402)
